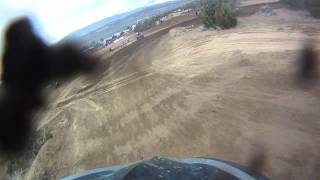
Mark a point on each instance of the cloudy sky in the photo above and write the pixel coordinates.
(56, 18)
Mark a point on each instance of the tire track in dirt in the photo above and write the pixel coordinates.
(113, 85)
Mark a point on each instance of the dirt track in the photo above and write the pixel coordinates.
(192, 93)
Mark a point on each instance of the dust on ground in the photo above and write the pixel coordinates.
(192, 93)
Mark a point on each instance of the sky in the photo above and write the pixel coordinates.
(54, 19)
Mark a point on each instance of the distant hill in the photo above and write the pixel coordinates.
(114, 24)
(97, 25)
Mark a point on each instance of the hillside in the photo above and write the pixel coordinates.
(114, 24)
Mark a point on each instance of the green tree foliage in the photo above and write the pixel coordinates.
(129, 28)
(145, 24)
(190, 5)
(218, 13)
(94, 44)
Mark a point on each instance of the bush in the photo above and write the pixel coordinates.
(145, 25)
(217, 13)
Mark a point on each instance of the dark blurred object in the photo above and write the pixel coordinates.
(258, 161)
(159, 168)
(312, 6)
(296, 4)
(308, 65)
(28, 66)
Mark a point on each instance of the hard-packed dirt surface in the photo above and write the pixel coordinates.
(191, 92)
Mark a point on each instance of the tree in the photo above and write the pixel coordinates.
(145, 24)
(129, 28)
(218, 13)
(93, 44)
